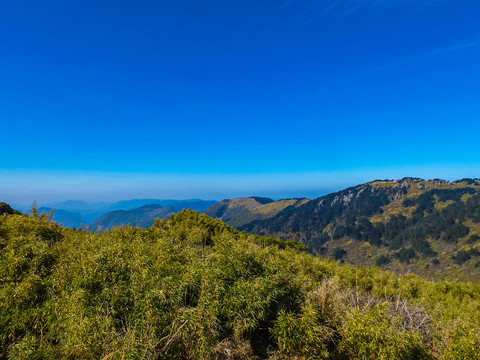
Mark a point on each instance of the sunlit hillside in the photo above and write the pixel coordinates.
(194, 288)
(431, 228)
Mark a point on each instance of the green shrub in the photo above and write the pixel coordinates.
(372, 334)
(302, 335)
(382, 260)
(194, 288)
(339, 253)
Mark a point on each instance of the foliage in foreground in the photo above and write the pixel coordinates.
(194, 288)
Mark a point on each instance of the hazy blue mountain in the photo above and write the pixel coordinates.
(79, 205)
(75, 213)
(143, 216)
(66, 218)
(87, 211)
(134, 203)
(194, 204)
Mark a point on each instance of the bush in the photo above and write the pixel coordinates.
(194, 288)
(339, 253)
(464, 255)
(473, 239)
(302, 335)
(382, 260)
(404, 255)
(409, 202)
(374, 335)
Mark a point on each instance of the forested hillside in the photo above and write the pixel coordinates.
(431, 228)
(191, 287)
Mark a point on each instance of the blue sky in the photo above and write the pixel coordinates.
(213, 99)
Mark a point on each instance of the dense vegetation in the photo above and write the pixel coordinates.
(192, 287)
(433, 226)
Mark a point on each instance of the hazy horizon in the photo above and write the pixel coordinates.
(47, 188)
(111, 101)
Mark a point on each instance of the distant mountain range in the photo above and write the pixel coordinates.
(143, 217)
(139, 212)
(411, 225)
(66, 218)
(431, 228)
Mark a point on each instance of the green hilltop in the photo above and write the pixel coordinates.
(192, 287)
(242, 211)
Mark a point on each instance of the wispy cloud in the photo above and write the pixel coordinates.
(345, 8)
(450, 49)
(331, 6)
(286, 3)
(456, 47)
(464, 45)
(354, 7)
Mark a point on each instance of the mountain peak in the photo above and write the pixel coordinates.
(6, 209)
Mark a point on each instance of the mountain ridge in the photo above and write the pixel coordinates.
(430, 227)
(240, 211)
(80, 214)
(142, 217)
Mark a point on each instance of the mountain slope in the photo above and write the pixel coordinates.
(238, 212)
(5, 209)
(143, 217)
(192, 287)
(408, 225)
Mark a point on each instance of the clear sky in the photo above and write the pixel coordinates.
(105, 100)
